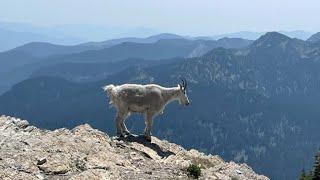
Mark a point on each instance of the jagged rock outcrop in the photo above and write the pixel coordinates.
(27, 152)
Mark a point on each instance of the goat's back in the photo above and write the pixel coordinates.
(135, 95)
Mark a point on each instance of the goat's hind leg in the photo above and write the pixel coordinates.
(148, 123)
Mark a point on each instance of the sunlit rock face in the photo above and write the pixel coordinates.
(86, 153)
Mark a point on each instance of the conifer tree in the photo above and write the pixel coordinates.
(303, 174)
(316, 172)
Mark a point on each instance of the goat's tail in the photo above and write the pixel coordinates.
(111, 92)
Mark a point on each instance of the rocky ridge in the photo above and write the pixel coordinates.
(27, 152)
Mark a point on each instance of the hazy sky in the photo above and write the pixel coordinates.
(178, 16)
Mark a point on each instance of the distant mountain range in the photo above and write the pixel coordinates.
(89, 72)
(256, 104)
(303, 35)
(315, 38)
(11, 39)
(43, 49)
(151, 39)
(17, 34)
(19, 63)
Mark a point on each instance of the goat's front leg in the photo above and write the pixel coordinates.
(124, 128)
(119, 120)
(148, 122)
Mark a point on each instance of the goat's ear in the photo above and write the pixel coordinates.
(180, 86)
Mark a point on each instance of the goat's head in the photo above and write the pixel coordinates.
(183, 97)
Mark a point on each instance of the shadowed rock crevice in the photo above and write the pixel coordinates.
(27, 152)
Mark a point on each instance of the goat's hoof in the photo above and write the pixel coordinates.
(147, 138)
(127, 133)
(120, 135)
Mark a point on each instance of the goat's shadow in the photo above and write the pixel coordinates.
(142, 140)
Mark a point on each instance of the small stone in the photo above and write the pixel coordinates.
(239, 172)
(41, 161)
(22, 124)
(40, 176)
(29, 129)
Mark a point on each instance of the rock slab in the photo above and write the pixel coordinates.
(27, 152)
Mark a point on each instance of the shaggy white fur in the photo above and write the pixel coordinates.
(149, 100)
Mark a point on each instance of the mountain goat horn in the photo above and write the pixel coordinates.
(184, 83)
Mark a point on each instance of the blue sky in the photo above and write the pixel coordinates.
(178, 16)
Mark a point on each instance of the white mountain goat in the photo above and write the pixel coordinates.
(149, 100)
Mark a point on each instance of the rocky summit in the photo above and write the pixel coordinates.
(27, 152)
